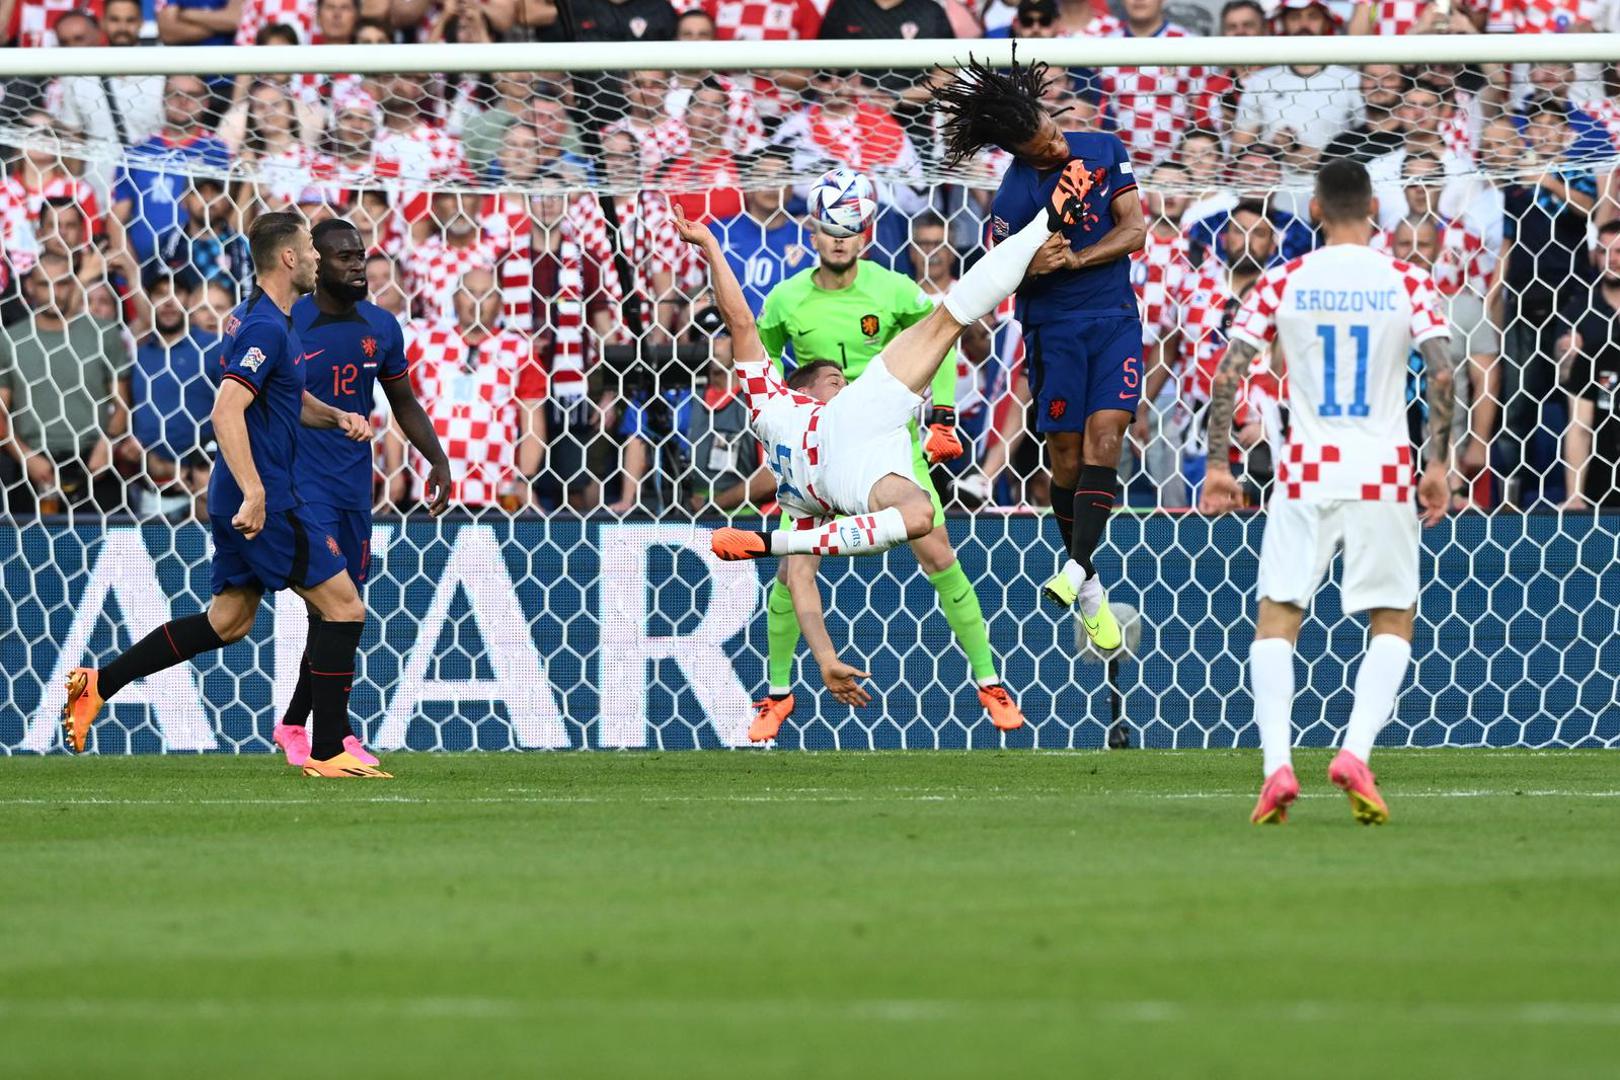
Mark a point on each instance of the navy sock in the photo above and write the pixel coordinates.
(1063, 510)
(332, 657)
(1093, 503)
(298, 707)
(170, 644)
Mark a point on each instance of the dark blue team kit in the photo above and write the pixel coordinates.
(317, 482)
(1082, 332)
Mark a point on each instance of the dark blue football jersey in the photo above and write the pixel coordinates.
(263, 353)
(344, 357)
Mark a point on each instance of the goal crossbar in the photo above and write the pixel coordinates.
(756, 55)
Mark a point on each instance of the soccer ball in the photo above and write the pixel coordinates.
(843, 202)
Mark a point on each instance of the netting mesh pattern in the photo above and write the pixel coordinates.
(517, 225)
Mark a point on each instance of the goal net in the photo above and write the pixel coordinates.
(514, 201)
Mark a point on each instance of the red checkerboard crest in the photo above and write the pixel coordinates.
(368, 346)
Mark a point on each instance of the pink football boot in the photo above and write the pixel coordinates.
(294, 741)
(1279, 792)
(1350, 774)
(358, 750)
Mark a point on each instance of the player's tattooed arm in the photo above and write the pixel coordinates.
(1438, 373)
(1223, 399)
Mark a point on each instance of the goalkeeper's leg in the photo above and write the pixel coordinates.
(782, 634)
(961, 604)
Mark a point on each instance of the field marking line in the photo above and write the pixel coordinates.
(888, 1010)
(942, 796)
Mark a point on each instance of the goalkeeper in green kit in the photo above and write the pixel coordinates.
(842, 312)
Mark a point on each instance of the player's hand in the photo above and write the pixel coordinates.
(354, 426)
(1471, 460)
(1569, 347)
(693, 232)
(942, 443)
(1050, 256)
(841, 682)
(438, 488)
(1221, 492)
(249, 518)
(1434, 493)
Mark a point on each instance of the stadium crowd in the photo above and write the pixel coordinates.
(562, 331)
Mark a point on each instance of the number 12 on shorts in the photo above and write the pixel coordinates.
(1361, 336)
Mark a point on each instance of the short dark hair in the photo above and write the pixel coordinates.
(331, 225)
(1344, 191)
(1542, 103)
(274, 32)
(805, 374)
(1608, 228)
(270, 234)
(366, 20)
(109, 4)
(1257, 207)
(1235, 5)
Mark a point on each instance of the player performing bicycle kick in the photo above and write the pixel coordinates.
(841, 452)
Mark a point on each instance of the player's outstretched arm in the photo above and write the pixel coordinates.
(728, 294)
(1221, 489)
(417, 426)
(1434, 489)
(318, 414)
(841, 678)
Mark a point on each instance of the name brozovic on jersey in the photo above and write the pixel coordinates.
(1347, 319)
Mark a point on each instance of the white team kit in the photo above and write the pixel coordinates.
(866, 421)
(1347, 319)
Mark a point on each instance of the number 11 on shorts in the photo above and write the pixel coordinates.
(1329, 334)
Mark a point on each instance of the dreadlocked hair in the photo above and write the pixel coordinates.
(986, 107)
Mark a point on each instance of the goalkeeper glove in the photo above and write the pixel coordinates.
(942, 443)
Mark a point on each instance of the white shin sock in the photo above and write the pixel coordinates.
(997, 274)
(865, 534)
(1378, 681)
(1271, 678)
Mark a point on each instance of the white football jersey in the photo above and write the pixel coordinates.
(1346, 319)
(785, 421)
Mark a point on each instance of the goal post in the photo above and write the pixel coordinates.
(568, 599)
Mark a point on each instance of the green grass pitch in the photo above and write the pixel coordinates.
(722, 915)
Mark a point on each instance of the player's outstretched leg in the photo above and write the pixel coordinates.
(228, 619)
(1271, 680)
(859, 534)
(1378, 681)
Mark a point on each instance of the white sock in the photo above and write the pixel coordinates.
(1075, 573)
(997, 274)
(1271, 678)
(1383, 670)
(1092, 596)
(866, 534)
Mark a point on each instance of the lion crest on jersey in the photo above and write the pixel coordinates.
(232, 325)
(368, 345)
(870, 325)
(332, 546)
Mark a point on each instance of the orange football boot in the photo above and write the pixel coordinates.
(1003, 710)
(84, 704)
(733, 545)
(344, 766)
(768, 717)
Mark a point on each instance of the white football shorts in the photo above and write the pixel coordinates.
(865, 437)
(1380, 544)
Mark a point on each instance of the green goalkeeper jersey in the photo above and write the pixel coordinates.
(848, 326)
